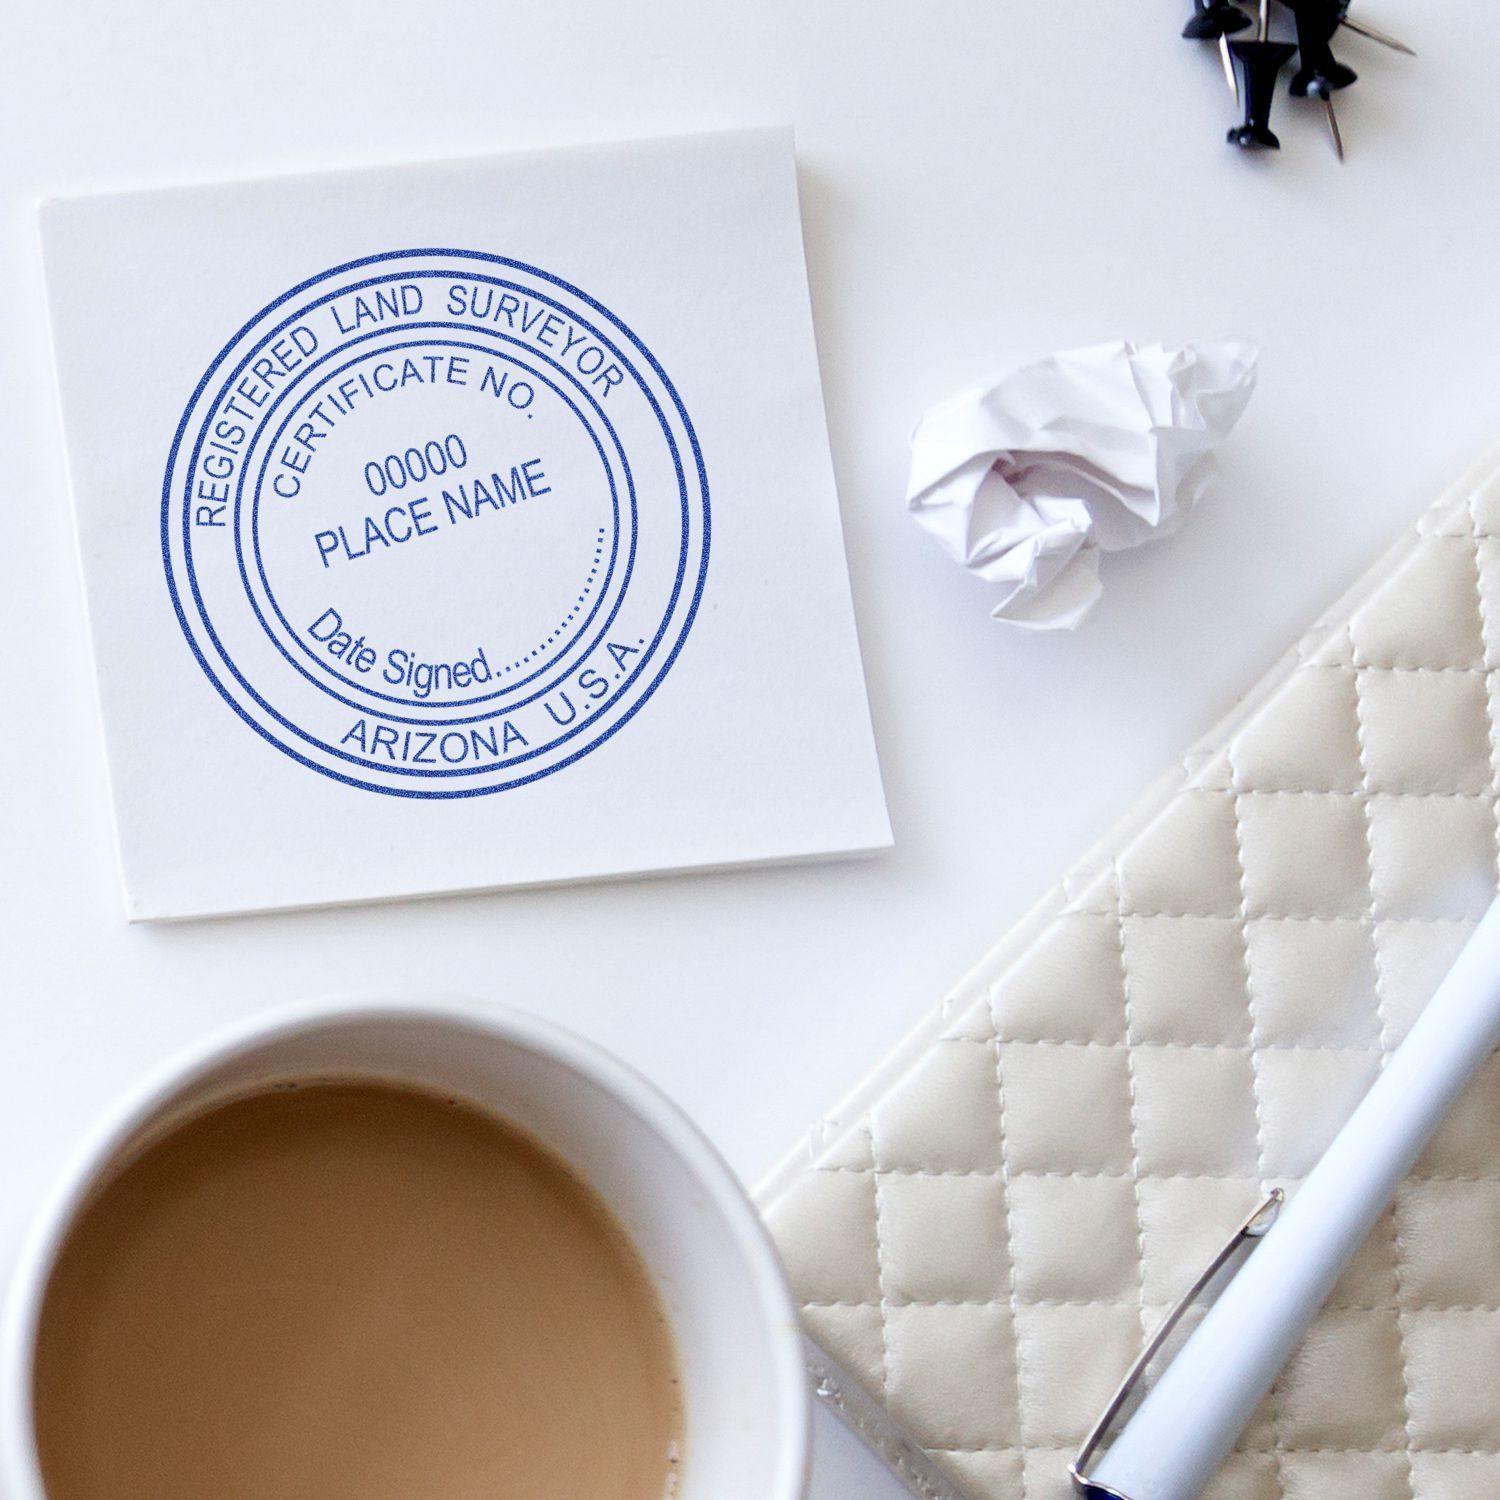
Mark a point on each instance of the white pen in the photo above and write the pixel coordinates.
(1189, 1420)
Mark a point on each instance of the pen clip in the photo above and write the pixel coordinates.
(1255, 1224)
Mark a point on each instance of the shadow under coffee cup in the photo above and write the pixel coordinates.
(745, 1402)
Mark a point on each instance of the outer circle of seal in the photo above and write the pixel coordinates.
(467, 753)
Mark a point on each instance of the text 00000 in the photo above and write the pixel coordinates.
(396, 470)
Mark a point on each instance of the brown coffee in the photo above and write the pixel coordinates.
(348, 1291)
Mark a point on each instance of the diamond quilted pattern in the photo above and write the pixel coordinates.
(985, 1232)
(1187, 980)
(1313, 983)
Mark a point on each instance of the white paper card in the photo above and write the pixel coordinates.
(460, 526)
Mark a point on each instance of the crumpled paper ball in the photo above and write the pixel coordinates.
(1028, 478)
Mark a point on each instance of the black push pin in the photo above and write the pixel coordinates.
(1261, 62)
(1321, 74)
(1217, 21)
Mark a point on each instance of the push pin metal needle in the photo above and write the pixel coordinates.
(1383, 37)
(1230, 75)
(1318, 92)
(1217, 21)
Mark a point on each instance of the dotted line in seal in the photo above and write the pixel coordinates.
(572, 614)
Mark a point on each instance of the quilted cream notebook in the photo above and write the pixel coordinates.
(983, 1234)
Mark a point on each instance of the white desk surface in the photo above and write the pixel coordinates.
(983, 181)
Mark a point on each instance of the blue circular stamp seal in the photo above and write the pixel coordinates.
(435, 523)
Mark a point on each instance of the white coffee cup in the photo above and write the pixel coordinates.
(746, 1394)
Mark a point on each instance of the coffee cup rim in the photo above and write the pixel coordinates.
(119, 1121)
